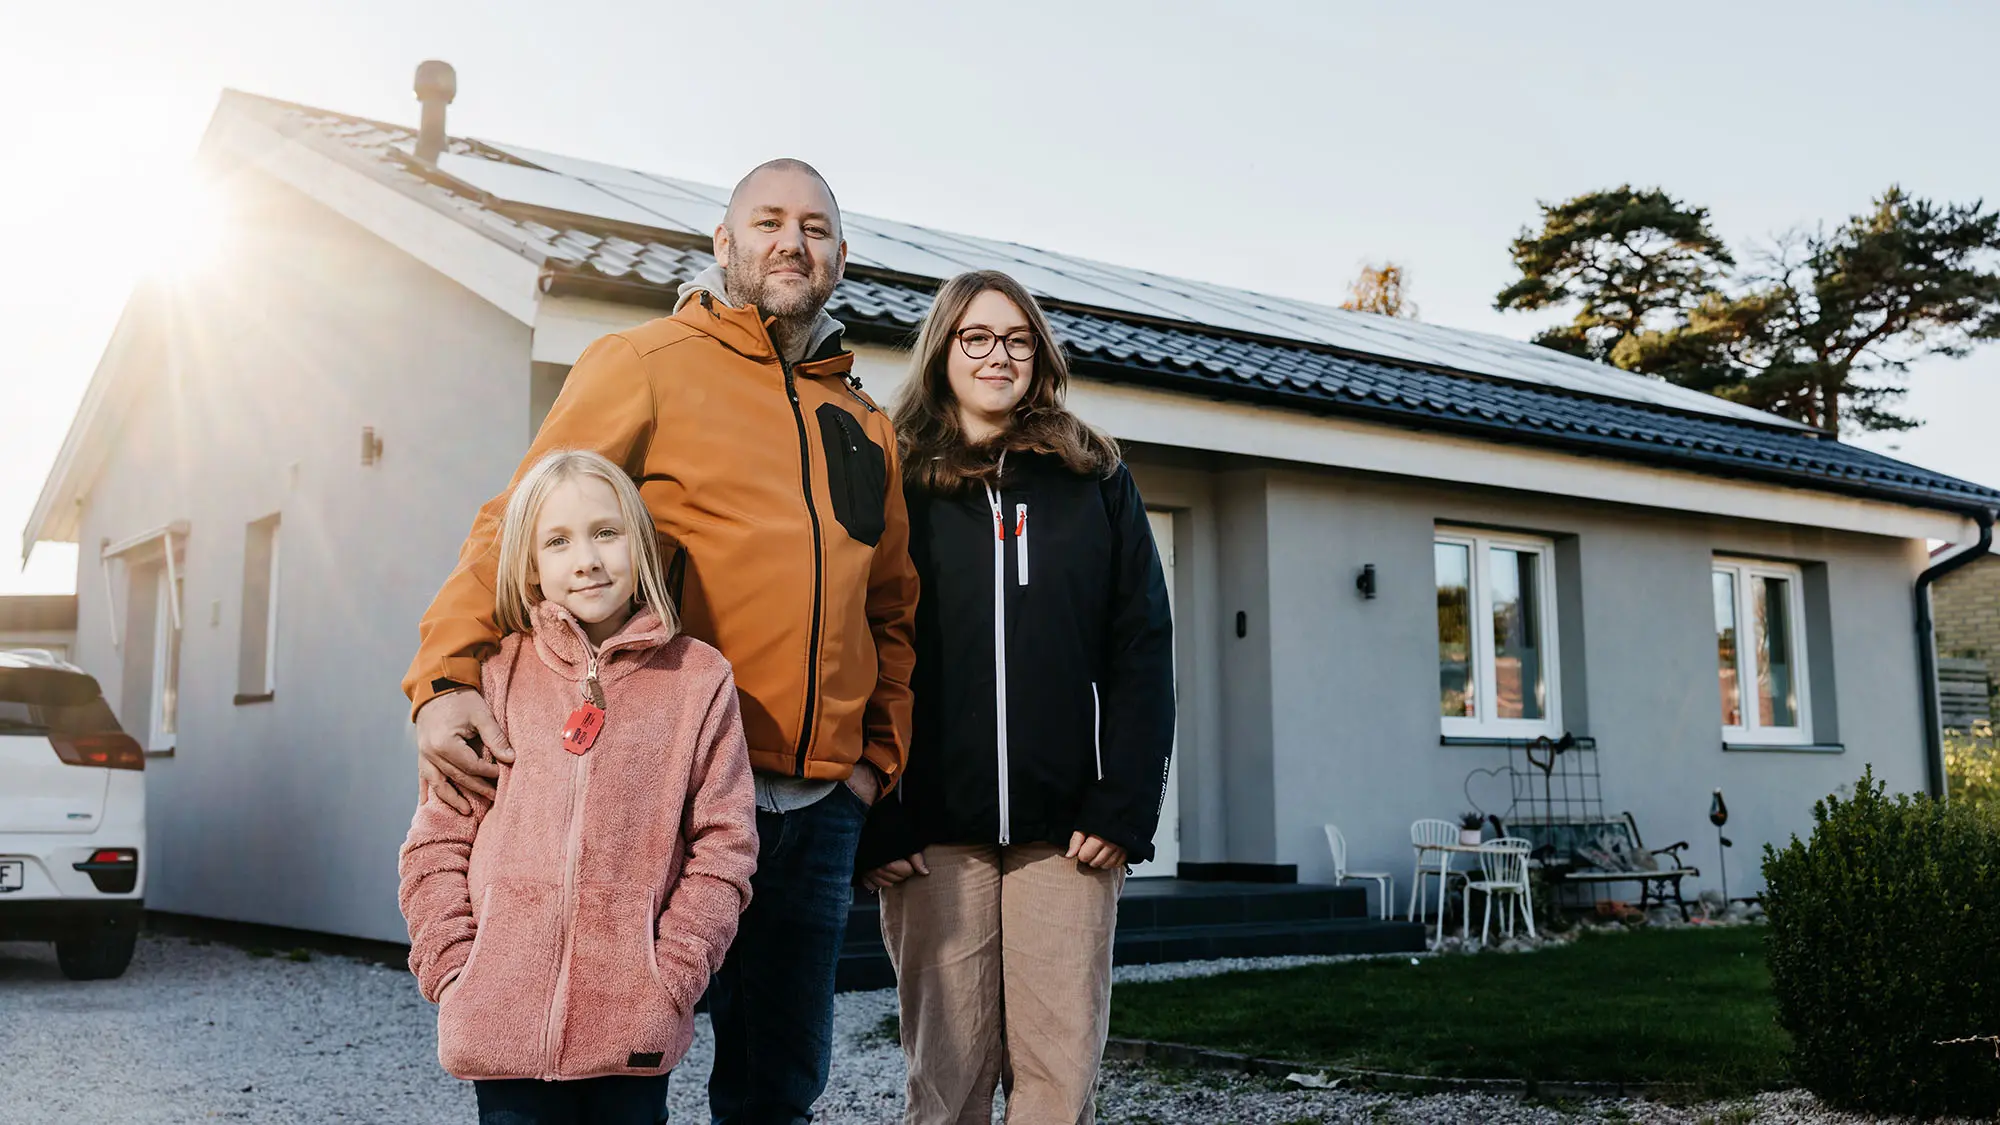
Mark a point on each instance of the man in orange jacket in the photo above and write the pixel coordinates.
(774, 483)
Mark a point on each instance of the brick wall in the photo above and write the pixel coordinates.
(1966, 605)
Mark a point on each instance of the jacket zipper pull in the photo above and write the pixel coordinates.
(592, 690)
(1021, 542)
(580, 730)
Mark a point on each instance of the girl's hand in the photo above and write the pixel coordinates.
(1094, 852)
(890, 874)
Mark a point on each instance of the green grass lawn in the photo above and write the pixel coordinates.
(1687, 1006)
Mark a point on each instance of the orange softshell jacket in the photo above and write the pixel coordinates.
(778, 498)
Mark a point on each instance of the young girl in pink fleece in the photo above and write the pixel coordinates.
(566, 930)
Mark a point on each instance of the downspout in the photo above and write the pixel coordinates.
(1927, 652)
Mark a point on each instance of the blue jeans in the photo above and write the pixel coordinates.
(617, 1099)
(772, 1003)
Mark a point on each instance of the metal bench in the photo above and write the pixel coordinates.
(1606, 851)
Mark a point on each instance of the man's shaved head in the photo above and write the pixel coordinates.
(781, 164)
(779, 244)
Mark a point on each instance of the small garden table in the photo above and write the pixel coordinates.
(1444, 854)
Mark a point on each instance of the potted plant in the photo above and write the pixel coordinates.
(1468, 828)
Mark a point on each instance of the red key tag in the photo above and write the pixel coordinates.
(581, 729)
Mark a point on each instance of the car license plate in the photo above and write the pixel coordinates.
(13, 875)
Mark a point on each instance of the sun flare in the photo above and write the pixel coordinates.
(183, 229)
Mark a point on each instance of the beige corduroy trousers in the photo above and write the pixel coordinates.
(1003, 970)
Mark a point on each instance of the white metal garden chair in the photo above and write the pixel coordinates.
(1382, 879)
(1503, 871)
(1426, 836)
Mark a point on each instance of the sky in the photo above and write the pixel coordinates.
(1273, 146)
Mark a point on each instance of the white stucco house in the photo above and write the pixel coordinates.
(1398, 551)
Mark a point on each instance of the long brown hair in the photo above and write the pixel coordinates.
(937, 456)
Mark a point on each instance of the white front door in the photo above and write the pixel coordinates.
(1167, 841)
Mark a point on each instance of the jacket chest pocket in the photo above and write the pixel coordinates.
(857, 474)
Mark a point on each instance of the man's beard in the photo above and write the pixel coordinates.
(747, 285)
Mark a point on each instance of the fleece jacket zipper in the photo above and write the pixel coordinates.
(1000, 645)
(579, 784)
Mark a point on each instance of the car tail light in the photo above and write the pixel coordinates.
(113, 871)
(107, 751)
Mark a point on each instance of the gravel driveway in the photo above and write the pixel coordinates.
(200, 1032)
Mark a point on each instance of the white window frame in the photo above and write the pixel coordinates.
(263, 681)
(160, 736)
(1485, 724)
(1751, 730)
(271, 613)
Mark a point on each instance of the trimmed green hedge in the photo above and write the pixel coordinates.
(1885, 940)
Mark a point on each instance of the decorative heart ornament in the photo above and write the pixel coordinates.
(1490, 791)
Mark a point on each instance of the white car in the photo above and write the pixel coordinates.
(72, 818)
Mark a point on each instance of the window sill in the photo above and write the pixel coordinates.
(167, 753)
(1786, 747)
(262, 697)
(1583, 741)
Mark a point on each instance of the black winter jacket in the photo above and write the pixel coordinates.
(1087, 648)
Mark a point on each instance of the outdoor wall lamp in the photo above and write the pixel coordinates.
(1365, 582)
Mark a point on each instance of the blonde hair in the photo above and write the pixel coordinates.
(516, 593)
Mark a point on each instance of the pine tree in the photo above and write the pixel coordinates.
(1630, 260)
(1822, 330)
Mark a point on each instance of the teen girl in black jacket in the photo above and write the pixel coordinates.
(1044, 715)
(1043, 601)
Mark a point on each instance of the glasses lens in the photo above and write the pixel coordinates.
(976, 344)
(1021, 345)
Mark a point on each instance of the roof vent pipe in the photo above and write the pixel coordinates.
(437, 85)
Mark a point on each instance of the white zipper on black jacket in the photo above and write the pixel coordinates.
(1000, 641)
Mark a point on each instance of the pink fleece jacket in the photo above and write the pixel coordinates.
(571, 926)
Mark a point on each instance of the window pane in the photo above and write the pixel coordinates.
(1725, 648)
(259, 628)
(1519, 688)
(168, 655)
(1777, 701)
(1454, 608)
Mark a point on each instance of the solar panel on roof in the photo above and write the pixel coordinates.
(578, 168)
(550, 190)
(873, 242)
(589, 188)
(707, 193)
(687, 213)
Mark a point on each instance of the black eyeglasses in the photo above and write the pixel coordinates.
(977, 343)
